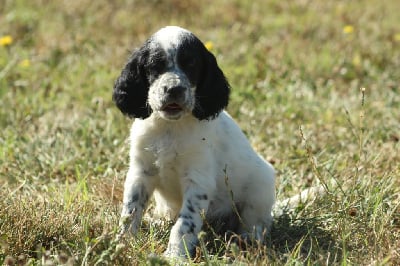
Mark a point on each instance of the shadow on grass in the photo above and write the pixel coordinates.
(302, 239)
(292, 240)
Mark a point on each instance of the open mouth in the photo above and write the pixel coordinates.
(172, 108)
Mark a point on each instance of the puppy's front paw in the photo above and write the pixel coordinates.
(128, 224)
(176, 251)
(174, 259)
(125, 224)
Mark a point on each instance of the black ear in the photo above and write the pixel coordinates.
(131, 88)
(212, 92)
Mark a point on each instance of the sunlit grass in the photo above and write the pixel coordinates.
(296, 69)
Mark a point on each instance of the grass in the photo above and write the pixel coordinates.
(296, 68)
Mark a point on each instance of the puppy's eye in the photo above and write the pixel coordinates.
(156, 64)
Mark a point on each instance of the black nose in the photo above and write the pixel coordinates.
(176, 92)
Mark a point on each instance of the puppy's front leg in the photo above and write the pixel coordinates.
(183, 238)
(137, 190)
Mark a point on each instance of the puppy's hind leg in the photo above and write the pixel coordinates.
(255, 224)
(256, 213)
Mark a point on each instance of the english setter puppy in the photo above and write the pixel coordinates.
(184, 148)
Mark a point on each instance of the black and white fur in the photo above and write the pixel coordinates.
(185, 150)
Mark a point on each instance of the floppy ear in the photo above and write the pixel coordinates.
(212, 92)
(131, 88)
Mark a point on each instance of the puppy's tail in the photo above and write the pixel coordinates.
(307, 197)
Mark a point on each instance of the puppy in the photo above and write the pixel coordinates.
(184, 148)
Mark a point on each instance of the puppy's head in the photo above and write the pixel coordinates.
(172, 75)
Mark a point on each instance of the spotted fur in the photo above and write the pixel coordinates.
(185, 150)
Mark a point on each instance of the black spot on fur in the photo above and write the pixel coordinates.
(202, 197)
(140, 197)
(190, 225)
(135, 197)
(190, 208)
(185, 216)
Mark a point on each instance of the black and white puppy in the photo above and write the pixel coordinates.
(185, 149)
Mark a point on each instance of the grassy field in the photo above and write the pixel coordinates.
(315, 88)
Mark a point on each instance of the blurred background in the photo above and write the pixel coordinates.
(315, 87)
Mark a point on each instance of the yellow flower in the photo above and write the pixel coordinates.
(209, 45)
(348, 29)
(25, 63)
(6, 40)
(356, 60)
(397, 37)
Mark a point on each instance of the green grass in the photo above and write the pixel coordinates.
(296, 69)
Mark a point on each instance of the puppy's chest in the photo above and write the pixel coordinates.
(168, 156)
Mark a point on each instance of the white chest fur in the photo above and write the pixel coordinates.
(169, 151)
